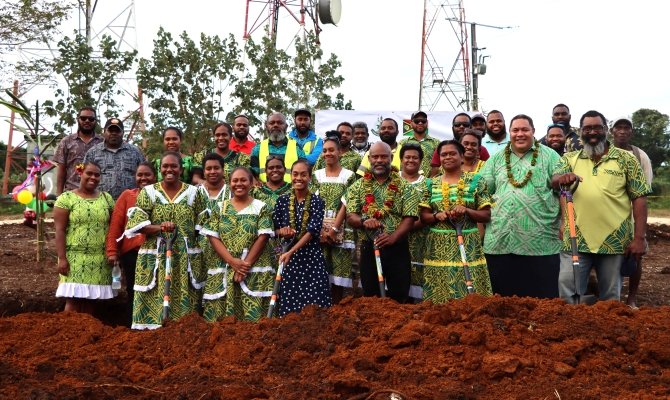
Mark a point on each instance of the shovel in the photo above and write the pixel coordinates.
(575, 298)
(168, 261)
(285, 245)
(461, 246)
(378, 261)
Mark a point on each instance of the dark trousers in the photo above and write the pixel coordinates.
(396, 262)
(524, 276)
(129, 260)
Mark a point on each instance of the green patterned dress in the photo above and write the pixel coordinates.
(153, 207)
(186, 175)
(248, 300)
(417, 241)
(90, 276)
(443, 274)
(349, 160)
(338, 257)
(269, 196)
(231, 161)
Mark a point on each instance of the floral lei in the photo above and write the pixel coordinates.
(305, 215)
(370, 208)
(445, 194)
(508, 165)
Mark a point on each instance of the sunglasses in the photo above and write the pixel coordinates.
(459, 124)
(420, 120)
(85, 118)
(274, 157)
(553, 125)
(332, 137)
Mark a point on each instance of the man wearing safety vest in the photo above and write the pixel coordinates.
(306, 138)
(277, 145)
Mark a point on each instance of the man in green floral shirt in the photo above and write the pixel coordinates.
(383, 201)
(420, 136)
(521, 244)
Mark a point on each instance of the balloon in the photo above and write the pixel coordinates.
(15, 193)
(24, 197)
(43, 196)
(33, 205)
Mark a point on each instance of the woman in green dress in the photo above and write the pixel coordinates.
(223, 134)
(463, 197)
(172, 137)
(240, 283)
(82, 218)
(162, 207)
(331, 183)
(275, 187)
(411, 155)
(349, 159)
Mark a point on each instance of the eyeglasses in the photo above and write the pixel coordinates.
(420, 120)
(459, 124)
(595, 128)
(86, 118)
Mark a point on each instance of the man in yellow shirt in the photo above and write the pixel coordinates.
(611, 183)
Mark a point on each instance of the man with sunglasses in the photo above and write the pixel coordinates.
(612, 184)
(277, 144)
(459, 124)
(561, 115)
(72, 149)
(419, 122)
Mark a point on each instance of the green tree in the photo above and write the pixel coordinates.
(91, 78)
(185, 84)
(652, 135)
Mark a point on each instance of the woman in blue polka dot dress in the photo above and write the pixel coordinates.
(305, 279)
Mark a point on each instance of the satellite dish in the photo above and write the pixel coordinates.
(330, 11)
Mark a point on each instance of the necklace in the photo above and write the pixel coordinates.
(508, 165)
(371, 209)
(305, 214)
(446, 202)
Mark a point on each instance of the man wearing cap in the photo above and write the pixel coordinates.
(117, 159)
(419, 122)
(561, 115)
(241, 142)
(459, 124)
(478, 122)
(72, 149)
(306, 138)
(622, 130)
(612, 185)
(496, 138)
(360, 143)
(277, 145)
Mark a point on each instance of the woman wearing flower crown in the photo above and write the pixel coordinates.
(460, 197)
(305, 279)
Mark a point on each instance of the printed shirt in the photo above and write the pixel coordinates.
(281, 150)
(365, 162)
(602, 202)
(246, 148)
(492, 146)
(525, 220)
(361, 152)
(572, 142)
(428, 145)
(405, 203)
(315, 150)
(350, 160)
(231, 161)
(117, 168)
(71, 151)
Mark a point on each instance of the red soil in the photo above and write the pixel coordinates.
(476, 348)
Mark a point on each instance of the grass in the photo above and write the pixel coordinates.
(659, 207)
(11, 208)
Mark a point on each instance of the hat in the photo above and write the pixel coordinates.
(416, 114)
(615, 121)
(302, 111)
(478, 116)
(114, 122)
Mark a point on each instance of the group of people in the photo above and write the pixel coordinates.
(230, 206)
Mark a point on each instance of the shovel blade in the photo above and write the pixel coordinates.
(589, 300)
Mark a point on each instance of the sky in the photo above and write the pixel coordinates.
(610, 56)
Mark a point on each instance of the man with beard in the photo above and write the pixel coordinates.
(388, 133)
(306, 138)
(622, 130)
(349, 159)
(241, 142)
(459, 124)
(276, 144)
(611, 179)
(496, 139)
(361, 135)
(72, 149)
(561, 115)
(382, 200)
(428, 144)
(556, 138)
(117, 159)
(521, 244)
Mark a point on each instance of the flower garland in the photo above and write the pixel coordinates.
(446, 202)
(305, 214)
(508, 165)
(79, 169)
(371, 209)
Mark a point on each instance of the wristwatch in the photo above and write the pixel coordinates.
(335, 229)
(364, 218)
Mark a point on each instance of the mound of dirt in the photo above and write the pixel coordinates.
(476, 348)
